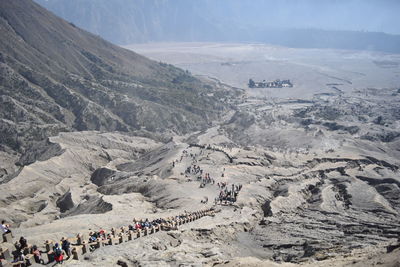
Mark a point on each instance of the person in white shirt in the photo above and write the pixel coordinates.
(5, 228)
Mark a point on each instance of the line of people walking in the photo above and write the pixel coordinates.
(71, 248)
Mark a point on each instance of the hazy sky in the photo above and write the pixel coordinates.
(359, 15)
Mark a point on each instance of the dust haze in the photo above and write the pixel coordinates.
(201, 133)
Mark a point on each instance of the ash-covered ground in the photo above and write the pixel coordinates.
(320, 175)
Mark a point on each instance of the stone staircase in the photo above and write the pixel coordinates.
(81, 246)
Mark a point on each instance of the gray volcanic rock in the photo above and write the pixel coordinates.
(65, 202)
(314, 191)
(55, 77)
(100, 176)
(304, 199)
(92, 205)
(39, 151)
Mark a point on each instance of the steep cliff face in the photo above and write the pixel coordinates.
(56, 77)
(305, 25)
(125, 22)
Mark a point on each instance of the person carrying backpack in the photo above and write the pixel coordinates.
(58, 254)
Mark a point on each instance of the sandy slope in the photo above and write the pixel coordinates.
(311, 70)
(320, 180)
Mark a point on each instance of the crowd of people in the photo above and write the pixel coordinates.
(25, 254)
(194, 169)
(227, 194)
(143, 224)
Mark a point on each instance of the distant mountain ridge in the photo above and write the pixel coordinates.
(137, 21)
(56, 77)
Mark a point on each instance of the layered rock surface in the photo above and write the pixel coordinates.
(56, 77)
(320, 177)
(301, 202)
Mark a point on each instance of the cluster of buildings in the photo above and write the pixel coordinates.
(274, 84)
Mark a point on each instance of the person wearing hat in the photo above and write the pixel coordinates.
(66, 247)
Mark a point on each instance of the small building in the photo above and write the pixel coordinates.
(274, 84)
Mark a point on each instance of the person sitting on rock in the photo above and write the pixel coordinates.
(58, 254)
(5, 228)
(66, 247)
(37, 255)
(138, 226)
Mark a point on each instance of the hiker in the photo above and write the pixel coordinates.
(58, 254)
(22, 244)
(5, 228)
(66, 246)
(19, 257)
(37, 255)
(92, 237)
(102, 234)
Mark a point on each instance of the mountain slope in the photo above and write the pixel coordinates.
(283, 23)
(56, 77)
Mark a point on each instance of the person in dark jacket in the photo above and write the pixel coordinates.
(66, 247)
(22, 243)
(58, 254)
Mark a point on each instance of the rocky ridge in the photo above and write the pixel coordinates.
(334, 194)
(98, 136)
(56, 77)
